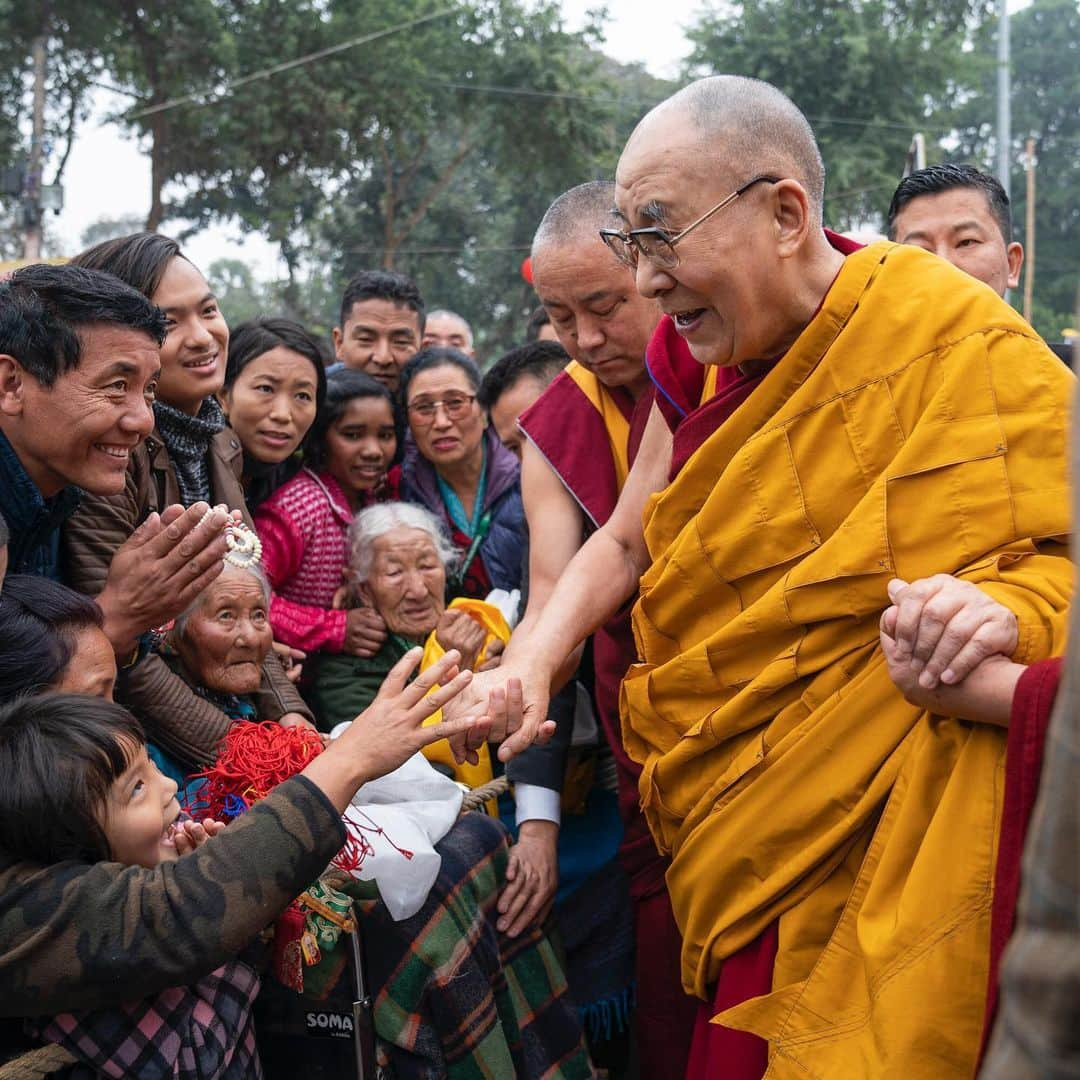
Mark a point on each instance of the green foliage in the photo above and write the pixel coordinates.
(1045, 40)
(868, 74)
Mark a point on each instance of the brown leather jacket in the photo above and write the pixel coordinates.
(177, 719)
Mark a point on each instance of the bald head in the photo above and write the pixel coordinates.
(581, 211)
(748, 127)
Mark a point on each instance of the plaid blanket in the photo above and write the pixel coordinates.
(201, 1032)
(459, 1000)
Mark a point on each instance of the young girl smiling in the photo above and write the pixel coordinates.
(81, 787)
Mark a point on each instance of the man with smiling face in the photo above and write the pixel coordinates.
(78, 366)
(961, 214)
(382, 324)
(831, 422)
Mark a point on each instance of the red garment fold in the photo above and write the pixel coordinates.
(721, 1053)
(1029, 719)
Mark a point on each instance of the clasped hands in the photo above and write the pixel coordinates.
(947, 645)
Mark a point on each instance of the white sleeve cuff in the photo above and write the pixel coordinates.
(535, 803)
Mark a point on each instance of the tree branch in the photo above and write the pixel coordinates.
(436, 189)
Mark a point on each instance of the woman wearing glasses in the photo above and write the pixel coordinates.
(459, 470)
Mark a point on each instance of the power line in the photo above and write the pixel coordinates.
(206, 97)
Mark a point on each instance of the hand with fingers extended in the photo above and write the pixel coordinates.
(390, 730)
(532, 876)
(515, 701)
(943, 628)
(165, 563)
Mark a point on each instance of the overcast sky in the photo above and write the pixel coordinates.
(108, 176)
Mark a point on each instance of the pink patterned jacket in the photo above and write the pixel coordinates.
(302, 527)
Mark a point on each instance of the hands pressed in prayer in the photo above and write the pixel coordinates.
(532, 876)
(292, 661)
(943, 628)
(165, 563)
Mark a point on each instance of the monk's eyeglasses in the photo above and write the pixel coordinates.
(657, 244)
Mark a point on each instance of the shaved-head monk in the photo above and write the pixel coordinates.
(580, 440)
(831, 423)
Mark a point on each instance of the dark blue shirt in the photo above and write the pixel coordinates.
(33, 520)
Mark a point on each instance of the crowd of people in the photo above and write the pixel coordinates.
(747, 571)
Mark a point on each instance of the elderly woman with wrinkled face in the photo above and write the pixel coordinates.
(399, 557)
(219, 644)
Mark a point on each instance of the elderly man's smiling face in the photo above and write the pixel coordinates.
(719, 293)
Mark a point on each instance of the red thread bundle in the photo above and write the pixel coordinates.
(254, 758)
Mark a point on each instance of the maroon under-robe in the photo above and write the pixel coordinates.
(570, 434)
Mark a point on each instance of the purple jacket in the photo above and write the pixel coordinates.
(503, 549)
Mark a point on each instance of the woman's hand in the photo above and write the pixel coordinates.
(494, 655)
(532, 876)
(292, 661)
(365, 632)
(459, 630)
(944, 628)
(293, 719)
(391, 727)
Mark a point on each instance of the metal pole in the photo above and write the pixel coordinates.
(1004, 107)
(1029, 231)
(32, 197)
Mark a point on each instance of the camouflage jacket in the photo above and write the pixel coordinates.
(77, 935)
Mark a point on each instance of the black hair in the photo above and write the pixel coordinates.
(342, 387)
(541, 359)
(43, 307)
(937, 178)
(39, 619)
(257, 336)
(538, 319)
(139, 260)
(60, 754)
(382, 285)
(5, 533)
(436, 356)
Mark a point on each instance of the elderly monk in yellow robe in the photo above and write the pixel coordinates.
(876, 415)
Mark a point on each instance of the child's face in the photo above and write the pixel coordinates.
(140, 814)
(361, 444)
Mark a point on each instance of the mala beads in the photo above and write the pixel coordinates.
(245, 547)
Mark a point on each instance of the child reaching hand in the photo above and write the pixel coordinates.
(78, 785)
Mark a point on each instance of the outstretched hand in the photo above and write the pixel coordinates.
(943, 628)
(515, 702)
(156, 573)
(390, 730)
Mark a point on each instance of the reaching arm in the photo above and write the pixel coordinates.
(599, 579)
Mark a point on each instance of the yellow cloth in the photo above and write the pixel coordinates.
(916, 426)
(617, 426)
(491, 619)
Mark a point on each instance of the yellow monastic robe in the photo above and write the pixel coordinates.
(492, 620)
(918, 425)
